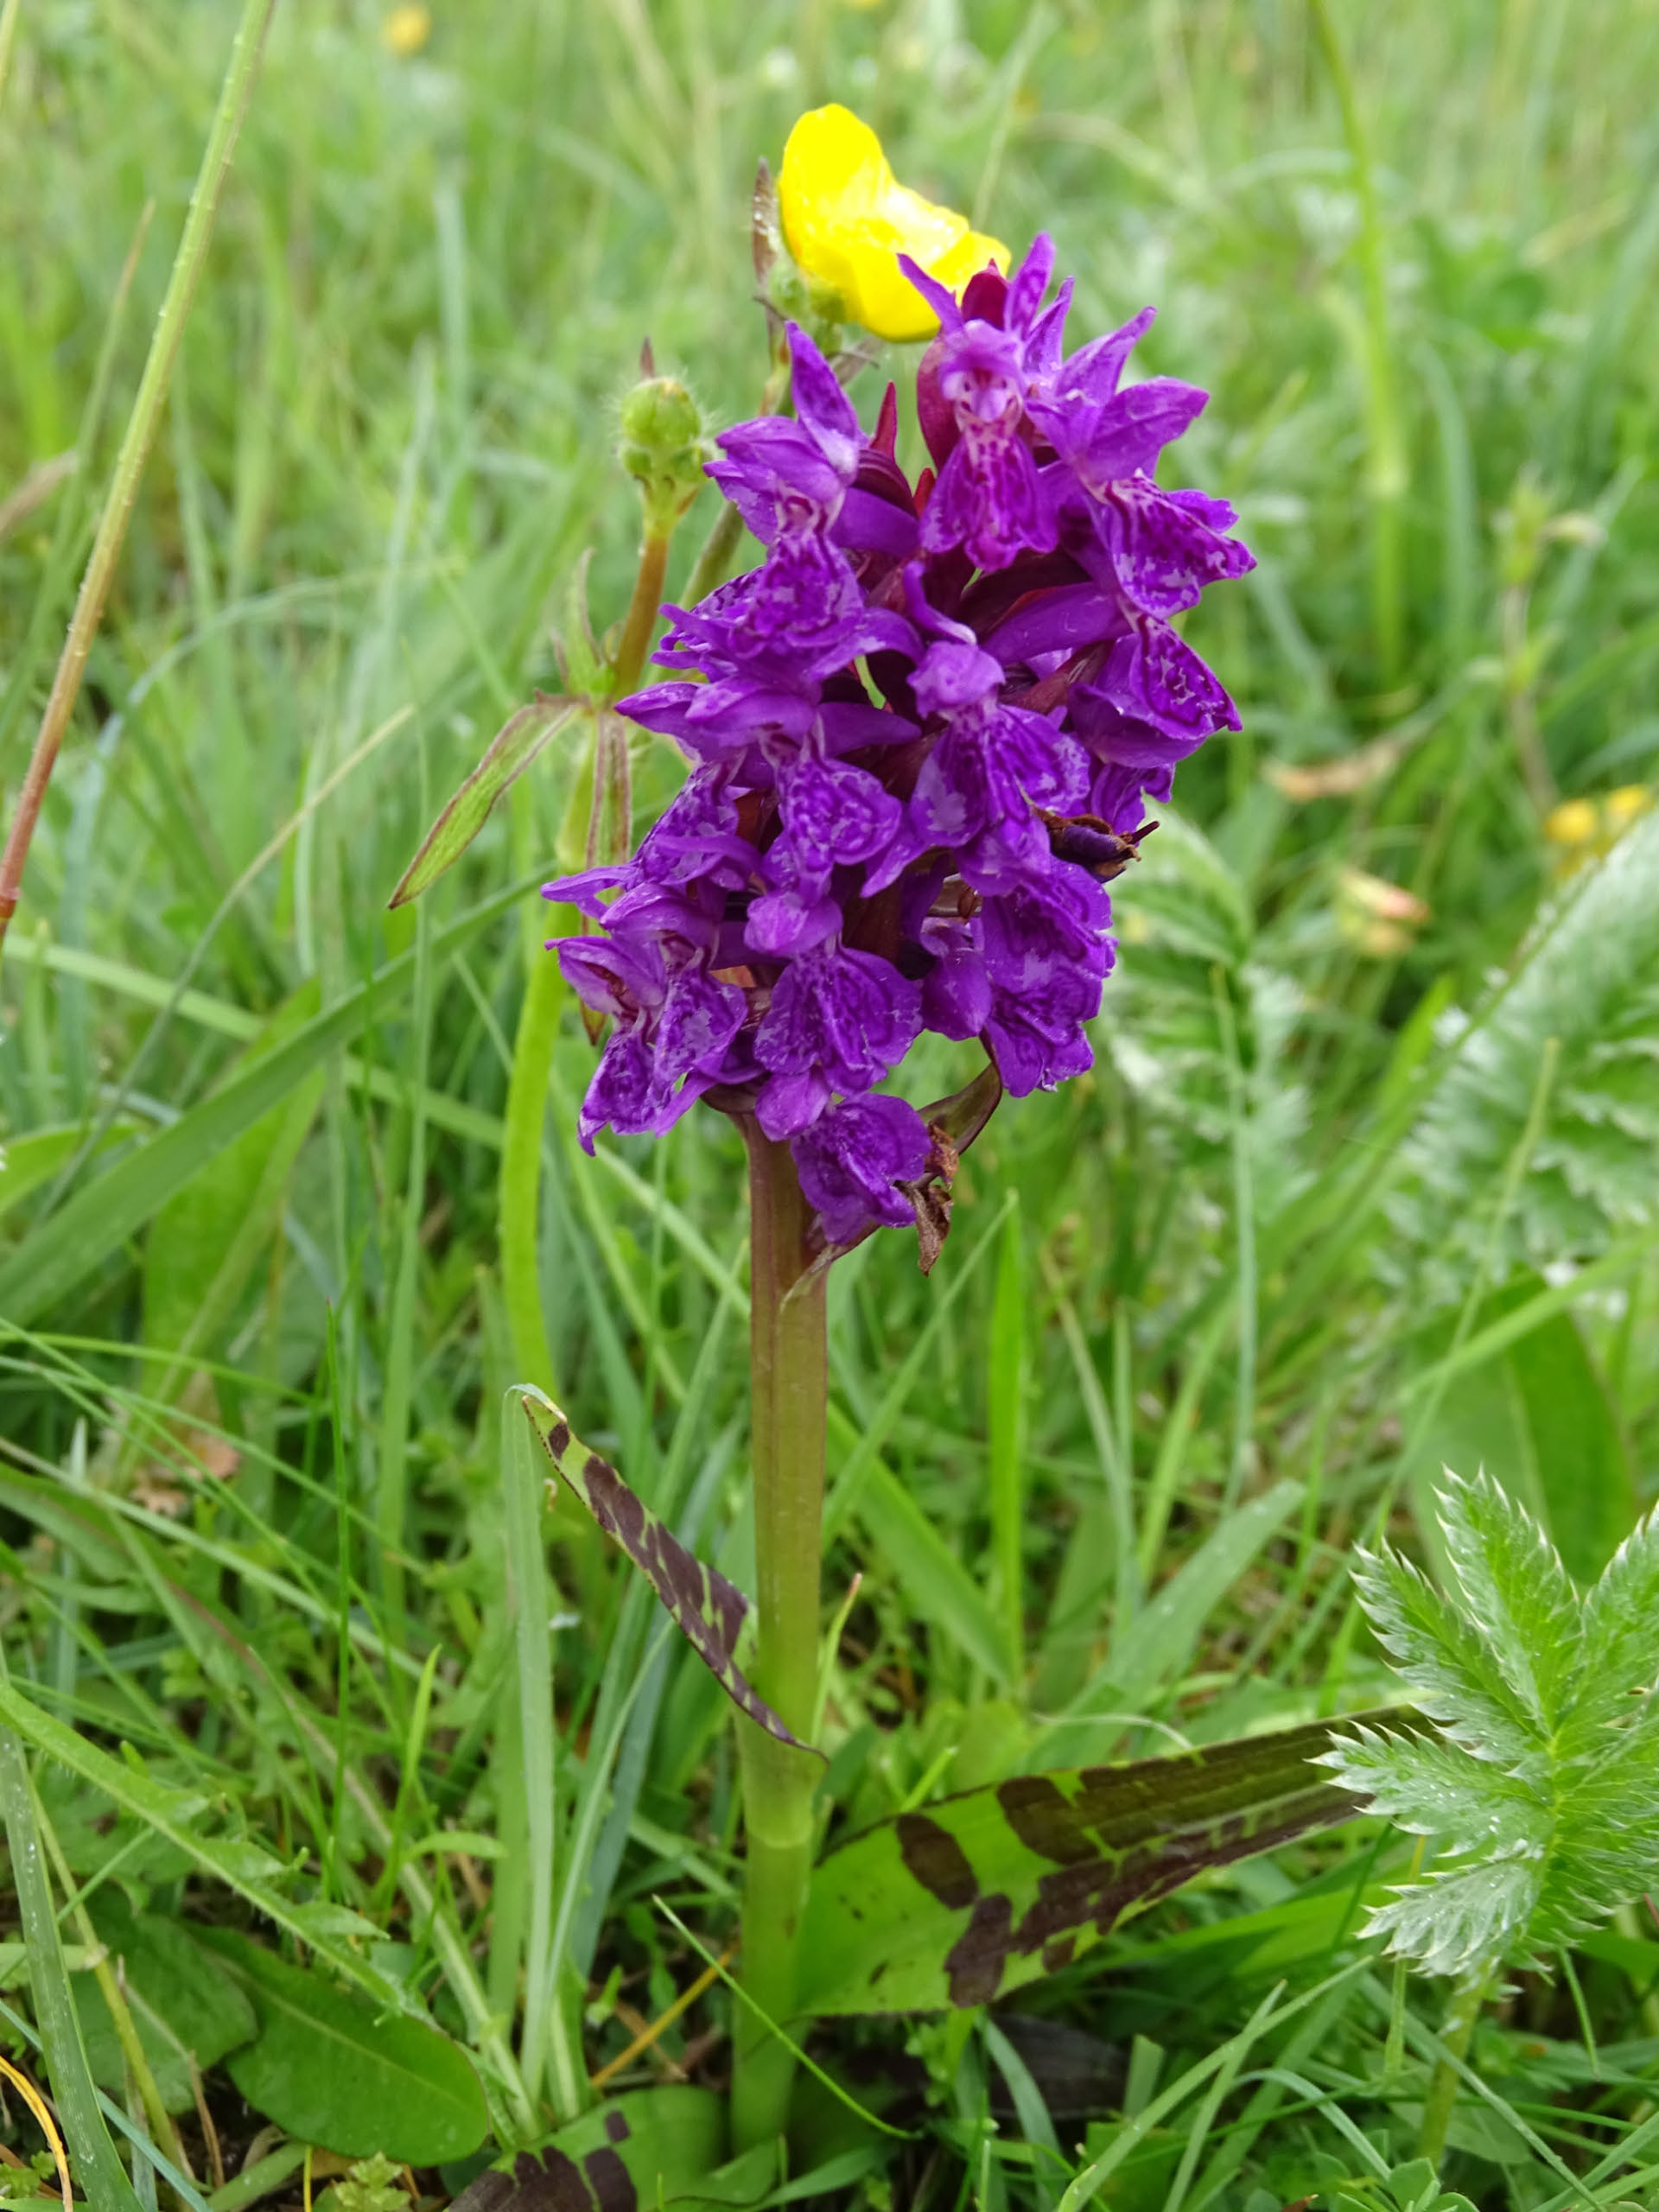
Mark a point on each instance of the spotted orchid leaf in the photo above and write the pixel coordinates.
(644, 2147)
(707, 1609)
(963, 1902)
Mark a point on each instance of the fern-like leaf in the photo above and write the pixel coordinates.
(1619, 1642)
(1545, 1784)
(1461, 1917)
(1445, 1661)
(1431, 1788)
(1516, 1590)
(1589, 979)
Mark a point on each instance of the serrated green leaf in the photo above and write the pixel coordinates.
(704, 1604)
(1443, 1660)
(1462, 1917)
(1548, 1784)
(509, 752)
(961, 1904)
(1619, 1612)
(330, 2068)
(1431, 1788)
(1517, 1591)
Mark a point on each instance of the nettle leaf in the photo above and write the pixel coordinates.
(509, 752)
(961, 1904)
(707, 1608)
(1588, 979)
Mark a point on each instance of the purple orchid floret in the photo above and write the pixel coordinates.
(923, 731)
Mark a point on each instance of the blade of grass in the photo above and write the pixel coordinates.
(89, 2147)
(187, 263)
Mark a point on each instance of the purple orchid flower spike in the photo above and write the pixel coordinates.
(923, 734)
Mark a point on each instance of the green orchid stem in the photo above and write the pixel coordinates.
(518, 1227)
(789, 1390)
(1461, 2016)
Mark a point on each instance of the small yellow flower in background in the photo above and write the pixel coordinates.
(1627, 804)
(1585, 829)
(1574, 822)
(406, 30)
(846, 218)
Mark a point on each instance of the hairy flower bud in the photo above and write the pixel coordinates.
(663, 448)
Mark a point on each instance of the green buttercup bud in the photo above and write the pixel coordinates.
(663, 447)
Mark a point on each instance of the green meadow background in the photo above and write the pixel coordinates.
(1366, 1178)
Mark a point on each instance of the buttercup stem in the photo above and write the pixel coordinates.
(642, 613)
(788, 1370)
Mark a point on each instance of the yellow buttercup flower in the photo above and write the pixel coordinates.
(406, 30)
(847, 218)
(1574, 822)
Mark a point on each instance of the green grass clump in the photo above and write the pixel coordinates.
(1362, 1184)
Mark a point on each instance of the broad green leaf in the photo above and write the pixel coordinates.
(646, 2148)
(29, 1161)
(204, 1242)
(330, 2068)
(963, 1903)
(704, 1606)
(101, 1216)
(1538, 1417)
(172, 1814)
(182, 2002)
(509, 752)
